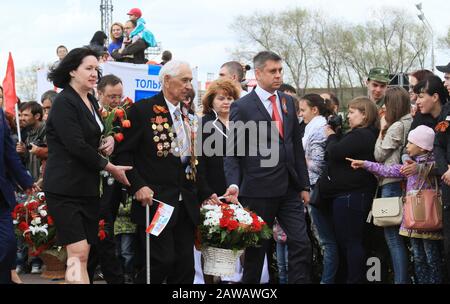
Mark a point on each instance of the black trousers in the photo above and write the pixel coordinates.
(290, 213)
(171, 254)
(104, 253)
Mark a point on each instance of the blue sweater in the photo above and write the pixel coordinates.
(115, 45)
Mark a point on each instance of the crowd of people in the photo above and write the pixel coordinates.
(320, 190)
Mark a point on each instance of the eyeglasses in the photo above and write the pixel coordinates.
(113, 97)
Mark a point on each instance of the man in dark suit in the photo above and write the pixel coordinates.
(159, 145)
(271, 184)
(12, 172)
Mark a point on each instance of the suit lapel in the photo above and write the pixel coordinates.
(83, 106)
(261, 106)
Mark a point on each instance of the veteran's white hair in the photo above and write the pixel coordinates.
(172, 68)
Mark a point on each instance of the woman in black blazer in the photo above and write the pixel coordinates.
(216, 109)
(72, 179)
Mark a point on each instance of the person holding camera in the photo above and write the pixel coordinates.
(315, 111)
(31, 114)
(351, 192)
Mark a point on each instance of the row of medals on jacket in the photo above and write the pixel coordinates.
(164, 138)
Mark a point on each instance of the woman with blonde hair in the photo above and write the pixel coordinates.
(116, 35)
(351, 192)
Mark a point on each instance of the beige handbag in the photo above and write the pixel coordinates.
(387, 211)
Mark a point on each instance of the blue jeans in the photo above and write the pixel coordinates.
(327, 239)
(395, 241)
(349, 218)
(22, 256)
(427, 261)
(282, 262)
(125, 251)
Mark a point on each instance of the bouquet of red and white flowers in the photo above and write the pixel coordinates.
(34, 225)
(231, 227)
(225, 231)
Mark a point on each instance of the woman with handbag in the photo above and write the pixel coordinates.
(395, 126)
(422, 191)
(315, 110)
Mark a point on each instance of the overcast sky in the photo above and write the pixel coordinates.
(196, 30)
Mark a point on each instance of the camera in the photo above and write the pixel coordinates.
(335, 122)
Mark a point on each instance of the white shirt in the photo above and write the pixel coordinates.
(172, 110)
(99, 121)
(264, 96)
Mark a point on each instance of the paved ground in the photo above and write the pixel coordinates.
(35, 279)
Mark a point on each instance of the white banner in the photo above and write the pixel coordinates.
(140, 81)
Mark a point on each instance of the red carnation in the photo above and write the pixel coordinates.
(50, 221)
(233, 225)
(102, 235)
(23, 226)
(224, 222)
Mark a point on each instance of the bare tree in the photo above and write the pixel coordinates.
(323, 50)
(289, 34)
(26, 81)
(444, 42)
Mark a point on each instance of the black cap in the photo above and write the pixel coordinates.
(444, 68)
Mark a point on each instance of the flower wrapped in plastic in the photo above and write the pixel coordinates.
(34, 225)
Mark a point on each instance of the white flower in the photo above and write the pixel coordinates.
(213, 215)
(15, 222)
(211, 222)
(36, 221)
(43, 213)
(38, 229)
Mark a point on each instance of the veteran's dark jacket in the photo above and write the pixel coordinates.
(164, 174)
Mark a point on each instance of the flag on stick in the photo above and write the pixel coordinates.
(9, 87)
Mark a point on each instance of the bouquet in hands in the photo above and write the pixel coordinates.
(115, 119)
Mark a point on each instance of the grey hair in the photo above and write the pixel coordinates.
(172, 68)
(260, 60)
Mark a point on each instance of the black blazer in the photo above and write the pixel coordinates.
(165, 175)
(73, 137)
(212, 164)
(246, 171)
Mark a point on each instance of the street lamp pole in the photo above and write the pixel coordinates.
(430, 29)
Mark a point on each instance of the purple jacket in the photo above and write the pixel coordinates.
(413, 183)
(394, 171)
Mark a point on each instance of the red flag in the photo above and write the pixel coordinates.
(9, 87)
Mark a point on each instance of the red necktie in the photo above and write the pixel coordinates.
(276, 115)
